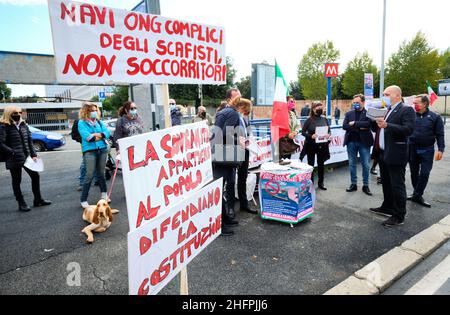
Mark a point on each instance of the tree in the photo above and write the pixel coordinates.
(412, 65)
(311, 70)
(353, 77)
(5, 91)
(245, 86)
(296, 90)
(445, 64)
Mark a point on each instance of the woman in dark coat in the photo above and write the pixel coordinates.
(16, 146)
(313, 149)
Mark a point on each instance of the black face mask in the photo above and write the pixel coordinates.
(16, 118)
(319, 112)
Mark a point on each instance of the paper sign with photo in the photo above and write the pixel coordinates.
(322, 134)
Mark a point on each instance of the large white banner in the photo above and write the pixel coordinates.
(159, 249)
(161, 167)
(99, 45)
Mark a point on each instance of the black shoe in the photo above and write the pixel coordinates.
(352, 188)
(41, 203)
(367, 191)
(226, 231)
(23, 206)
(322, 187)
(392, 221)
(373, 172)
(410, 197)
(381, 211)
(230, 223)
(251, 211)
(420, 201)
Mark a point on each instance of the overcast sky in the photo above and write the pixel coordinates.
(258, 30)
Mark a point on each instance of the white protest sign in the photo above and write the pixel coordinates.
(161, 167)
(262, 154)
(159, 249)
(99, 45)
(338, 152)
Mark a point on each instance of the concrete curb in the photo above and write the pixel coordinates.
(377, 276)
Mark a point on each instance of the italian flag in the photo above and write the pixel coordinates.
(433, 97)
(279, 127)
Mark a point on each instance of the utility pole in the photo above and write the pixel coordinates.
(383, 50)
(153, 7)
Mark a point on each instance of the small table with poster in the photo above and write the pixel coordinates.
(286, 193)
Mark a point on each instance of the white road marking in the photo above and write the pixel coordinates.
(65, 151)
(433, 281)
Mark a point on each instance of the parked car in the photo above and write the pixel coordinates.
(111, 126)
(44, 140)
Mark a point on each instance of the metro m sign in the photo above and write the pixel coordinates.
(331, 70)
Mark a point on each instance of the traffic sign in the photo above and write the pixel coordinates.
(101, 96)
(331, 70)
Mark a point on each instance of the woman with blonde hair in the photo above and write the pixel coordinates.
(95, 149)
(16, 146)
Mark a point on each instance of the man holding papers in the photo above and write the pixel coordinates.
(392, 134)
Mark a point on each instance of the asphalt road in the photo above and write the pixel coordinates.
(38, 248)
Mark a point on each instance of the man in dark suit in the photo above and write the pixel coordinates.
(358, 139)
(392, 137)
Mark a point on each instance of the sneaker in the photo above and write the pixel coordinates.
(381, 211)
(391, 222)
(85, 204)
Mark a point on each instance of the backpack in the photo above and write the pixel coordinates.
(75, 134)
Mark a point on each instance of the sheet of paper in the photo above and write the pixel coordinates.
(374, 113)
(321, 133)
(37, 166)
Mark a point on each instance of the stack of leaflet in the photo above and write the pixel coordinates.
(376, 109)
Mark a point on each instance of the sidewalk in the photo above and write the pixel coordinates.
(430, 277)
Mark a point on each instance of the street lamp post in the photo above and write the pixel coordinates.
(382, 49)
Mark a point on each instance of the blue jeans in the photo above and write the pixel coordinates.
(95, 162)
(83, 173)
(364, 152)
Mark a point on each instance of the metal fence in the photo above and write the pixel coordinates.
(48, 121)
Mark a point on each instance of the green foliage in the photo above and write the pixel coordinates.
(296, 90)
(412, 65)
(5, 92)
(245, 86)
(311, 70)
(113, 103)
(353, 77)
(445, 64)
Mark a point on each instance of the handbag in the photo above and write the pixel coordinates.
(287, 146)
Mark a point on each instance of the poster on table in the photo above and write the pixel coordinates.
(162, 167)
(286, 197)
(100, 45)
(159, 249)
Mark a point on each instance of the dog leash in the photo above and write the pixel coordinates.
(113, 179)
